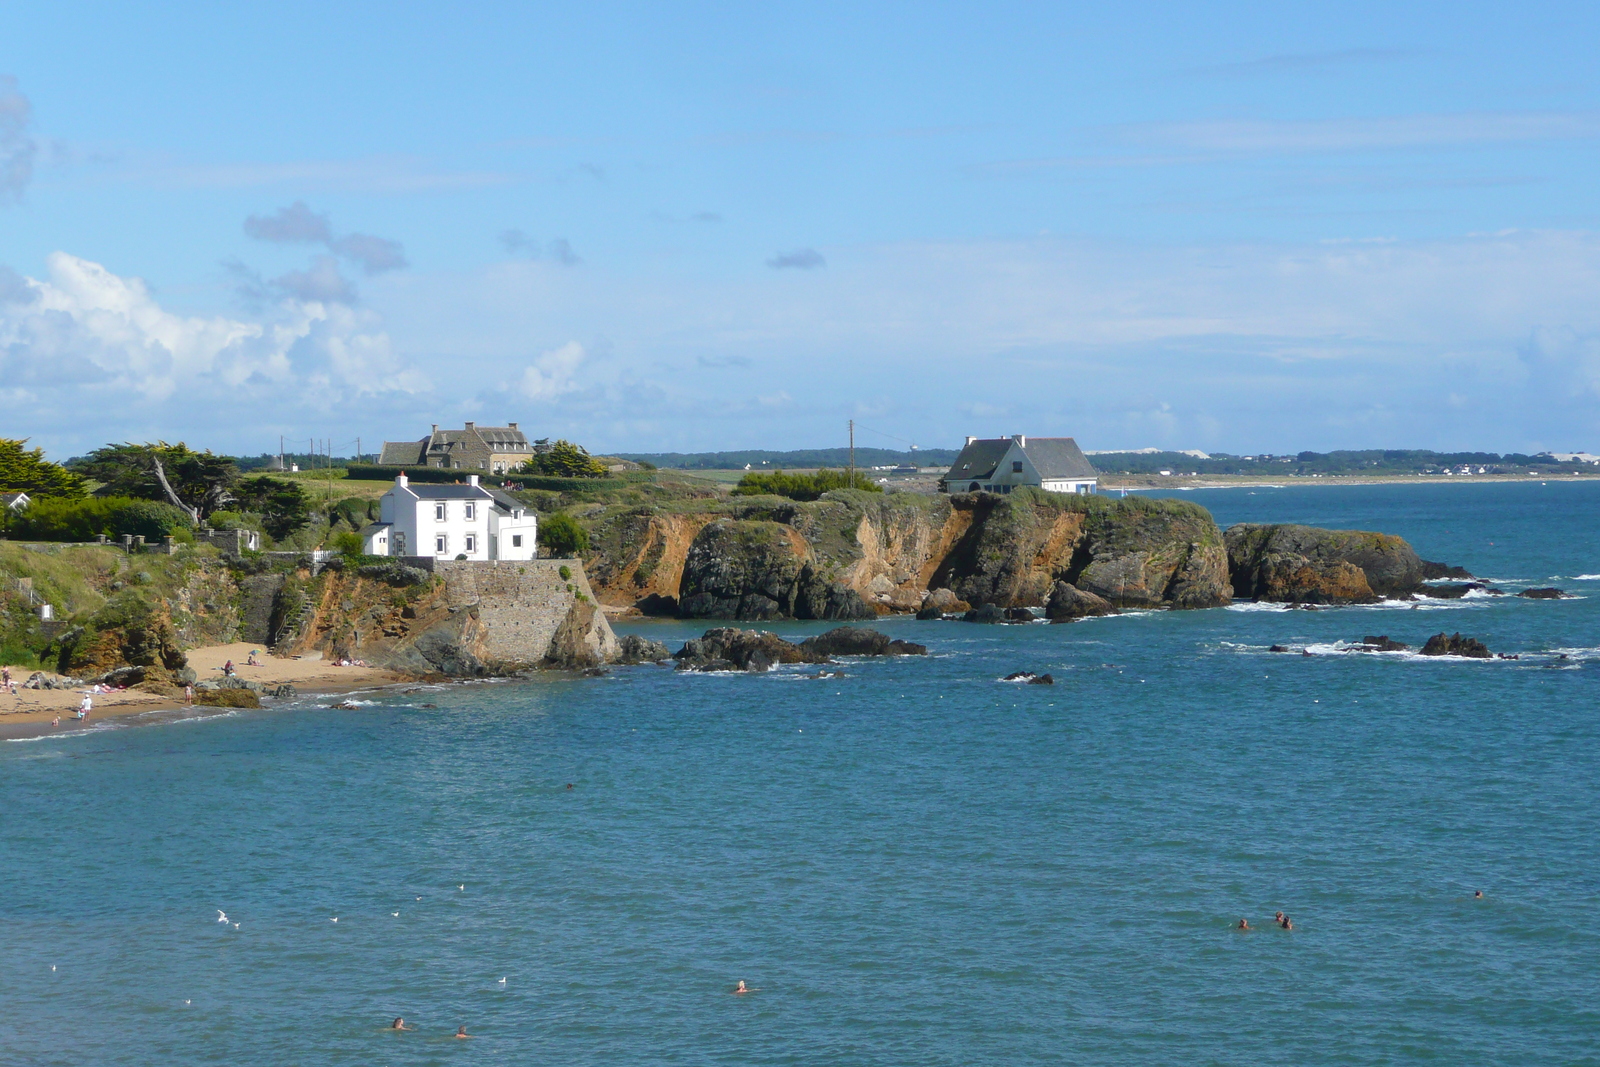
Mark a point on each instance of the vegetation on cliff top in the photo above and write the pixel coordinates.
(24, 470)
(803, 486)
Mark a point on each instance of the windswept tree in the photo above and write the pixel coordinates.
(198, 482)
(565, 460)
(282, 505)
(24, 470)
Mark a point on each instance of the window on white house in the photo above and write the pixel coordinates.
(438, 512)
(516, 540)
(440, 544)
(472, 543)
(472, 511)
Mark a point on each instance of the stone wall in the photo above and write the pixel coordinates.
(526, 609)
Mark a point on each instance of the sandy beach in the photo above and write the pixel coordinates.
(30, 712)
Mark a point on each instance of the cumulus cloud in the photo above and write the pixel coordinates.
(552, 374)
(799, 259)
(100, 338)
(298, 224)
(17, 148)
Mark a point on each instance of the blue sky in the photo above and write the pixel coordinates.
(1237, 227)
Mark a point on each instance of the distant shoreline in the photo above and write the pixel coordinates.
(1111, 483)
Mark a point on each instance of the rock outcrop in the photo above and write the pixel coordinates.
(941, 602)
(728, 648)
(1381, 643)
(1548, 593)
(1068, 603)
(1456, 645)
(1306, 565)
(632, 649)
(857, 641)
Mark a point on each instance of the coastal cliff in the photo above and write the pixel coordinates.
(853, 555)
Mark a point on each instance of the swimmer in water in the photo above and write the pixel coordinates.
(461, 1032)
(1244, 924)
(1477, 894)
(741, 989)
(1287, 923)
(399, 1024)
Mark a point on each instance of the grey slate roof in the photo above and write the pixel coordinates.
(1058, 457)
(509, 503)
(403, 453)
(449, 492)
(978, 460)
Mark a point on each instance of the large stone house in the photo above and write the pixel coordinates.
(451, 521)
(999, 465)
(490, 449)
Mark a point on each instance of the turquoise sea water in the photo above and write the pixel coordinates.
(914, 863)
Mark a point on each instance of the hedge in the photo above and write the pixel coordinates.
(375, 473)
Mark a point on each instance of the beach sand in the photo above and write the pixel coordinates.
(29, 712)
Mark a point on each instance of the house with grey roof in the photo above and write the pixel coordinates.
(1001, 464)
(461, 521)
(490, 449)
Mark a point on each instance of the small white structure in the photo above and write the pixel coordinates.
(452, 521)
(14, 502)
(1001, 464)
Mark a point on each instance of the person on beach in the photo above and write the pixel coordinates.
(55, 721)
(399, 1024)
(86, 706)
(461, 1032)
(188, 694)
(227, 669)
(251, 661)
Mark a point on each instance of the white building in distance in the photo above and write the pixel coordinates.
(450, 522)
(999, 465)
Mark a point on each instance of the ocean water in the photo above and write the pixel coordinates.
(913, 863)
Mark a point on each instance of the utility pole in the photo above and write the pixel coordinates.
(852, 482)
(281, 467)
(358, 450)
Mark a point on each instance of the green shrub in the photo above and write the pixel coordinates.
(346, 543)
(84, 520)
(562, 535)
(802, 486)
(566, 573)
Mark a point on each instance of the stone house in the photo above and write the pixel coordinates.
(490, 449)
(999, 465)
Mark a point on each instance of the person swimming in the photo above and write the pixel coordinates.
(399, 1024)
(1477, 894)
(1285, 922)
(461, 1032)
(741, 989)
(1244, 924)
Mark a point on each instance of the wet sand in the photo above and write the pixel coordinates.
(29, 713)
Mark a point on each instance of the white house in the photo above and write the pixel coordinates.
(14, 502)
(449, 521)
(999, 465)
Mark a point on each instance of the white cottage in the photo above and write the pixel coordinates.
(449, 521)
(999, 465)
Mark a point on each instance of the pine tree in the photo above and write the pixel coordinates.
(25, 471)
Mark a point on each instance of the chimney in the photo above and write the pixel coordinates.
(971, 439)
(470, 425)
(511, 425)
(472, 479)
(1020, 439)
(436, 427)
(401, 480)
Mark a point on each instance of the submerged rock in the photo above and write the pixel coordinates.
(857, 641)
(1549, 593)
(1445, 591)
(1068, 602)
(1455, 645)
(729, 649)
(1030, 678)
(1381, 643)
(631, 648)
(987, 613)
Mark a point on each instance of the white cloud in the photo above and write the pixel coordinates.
(551, 374)
(95, 336)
